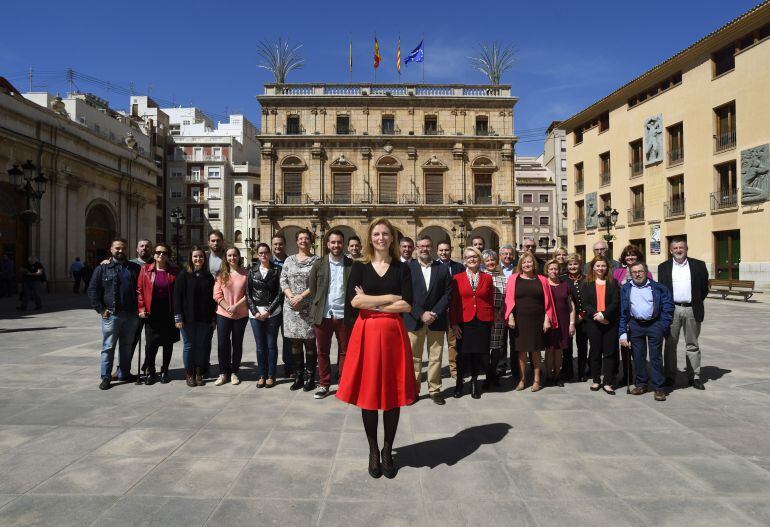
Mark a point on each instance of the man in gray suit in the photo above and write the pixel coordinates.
(328, 282)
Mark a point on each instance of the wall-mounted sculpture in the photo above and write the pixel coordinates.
(653, 140)
(755, 163)
(592, 211)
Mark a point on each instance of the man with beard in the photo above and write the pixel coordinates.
(112, 292)
(328, 282)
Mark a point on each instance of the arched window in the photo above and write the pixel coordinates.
(238, 237)
(238, 213)
(238, 189)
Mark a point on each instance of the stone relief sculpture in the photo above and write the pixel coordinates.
(592, 220)
(653, 140)
(755, 163)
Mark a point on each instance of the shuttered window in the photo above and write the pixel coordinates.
(482, 189)
(434, 188)
(341, 188)
(388, 188)
(292, 187)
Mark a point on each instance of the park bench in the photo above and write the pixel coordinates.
(744, 288)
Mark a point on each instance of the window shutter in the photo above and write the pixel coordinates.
(292, 187)
(434, 188)
(388, 188)
(341, 187)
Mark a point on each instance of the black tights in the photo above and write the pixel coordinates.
(308, 359)
(151, 352)
(389, 421)
(469, 364)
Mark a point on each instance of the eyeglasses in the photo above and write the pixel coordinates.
(472, 257)
(638, 271)
(161, 253)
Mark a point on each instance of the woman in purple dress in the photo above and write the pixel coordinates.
(557, 339)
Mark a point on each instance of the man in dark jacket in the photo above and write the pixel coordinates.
(332, 315)
(687, 279)
(444, 252)
(646, 309)
(112, 291)
(431, 288)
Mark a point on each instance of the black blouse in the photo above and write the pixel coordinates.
(396, 281)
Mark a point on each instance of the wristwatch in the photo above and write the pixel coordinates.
(378, 308)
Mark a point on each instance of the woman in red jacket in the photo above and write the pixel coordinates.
(530, 312)
(155, 294)
(471, 314)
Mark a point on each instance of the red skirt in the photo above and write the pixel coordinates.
(378, 372)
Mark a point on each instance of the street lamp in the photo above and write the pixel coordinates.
(250, 244)
(460, 234)
(546, 244)
(177, 219)
(30, 181)
(607, 220)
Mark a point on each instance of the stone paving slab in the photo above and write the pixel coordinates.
(172, 455)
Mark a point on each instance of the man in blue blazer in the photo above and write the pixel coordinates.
(431, 288)
(646, 311)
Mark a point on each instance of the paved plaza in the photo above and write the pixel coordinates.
(235, 455)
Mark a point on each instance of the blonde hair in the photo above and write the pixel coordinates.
(549, 263)
(224, 272)
(522, 258)
(369, 248)
(574, 257)
(475, 251)
(560, 250)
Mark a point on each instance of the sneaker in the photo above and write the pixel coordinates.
(105, 384)
(321, 392)
(220, 380)
(234, 379)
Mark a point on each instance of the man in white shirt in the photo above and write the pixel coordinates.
(687, 280)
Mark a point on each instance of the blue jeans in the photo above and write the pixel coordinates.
(230, 343)
(30, 290)
(266, 337)
(118, 329)
(644, 335)
(197, 339)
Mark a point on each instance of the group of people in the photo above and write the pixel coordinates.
(386, 302)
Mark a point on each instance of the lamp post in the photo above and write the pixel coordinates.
(250, 244)
(177, 219)
(31, 182)
(460, 234)
(546, 244)
(607, 220)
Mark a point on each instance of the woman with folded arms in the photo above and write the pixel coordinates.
(265, 300)
(601, 301)
(232, 316)
(195, 314)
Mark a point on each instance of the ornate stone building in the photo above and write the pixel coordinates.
(97, 186)
(432, 158)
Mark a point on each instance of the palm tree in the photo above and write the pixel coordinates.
(493, 60)
(280, 58)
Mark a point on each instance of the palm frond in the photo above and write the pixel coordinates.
(494, 59)
(280, 58)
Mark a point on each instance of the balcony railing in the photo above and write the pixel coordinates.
(724, 141)
(390, 130)
(349, 198)
(675, 156)
(578, 186)
(294, 129)
(344, 130)
(637, 169)
(636, 215)
(391, 90)
(673, 208)
(292, 198)
(480, 199)
(432, 130)
(724, 200)
(388, 198)
(484, 131)
(604, 179)
(579, 225)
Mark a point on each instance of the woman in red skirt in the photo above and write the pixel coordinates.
(378, 372)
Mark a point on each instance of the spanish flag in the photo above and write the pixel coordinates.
(377, 56)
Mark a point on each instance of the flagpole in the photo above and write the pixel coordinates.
(423, 58)
(350, 51)
(373, 66)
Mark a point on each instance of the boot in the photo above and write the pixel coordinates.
(199, 381)
(475, 388)
(309, 380)
(458, 387)
(299, 381)
(190, 377)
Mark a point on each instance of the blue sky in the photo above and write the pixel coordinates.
(569, 54)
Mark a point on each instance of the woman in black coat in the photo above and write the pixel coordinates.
(265, 298)
(601, 302)
(195, 314)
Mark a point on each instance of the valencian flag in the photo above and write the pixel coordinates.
(377, 56)
(398, 56)
(416, 55)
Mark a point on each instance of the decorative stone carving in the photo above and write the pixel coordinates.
(388, 148)
(653, 140)
(755, 162)
(434, 163)
(592, 211)
(411, 152)
(342, 164)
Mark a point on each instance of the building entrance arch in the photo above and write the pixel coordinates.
(100, 230)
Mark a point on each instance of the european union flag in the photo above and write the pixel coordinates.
(416, 55)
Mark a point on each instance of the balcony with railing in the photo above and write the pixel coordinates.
(637, 169)
(344, 130)
(390, 90)
(636, 215)
(673, 208)
(675, 156)
(484, 131)
(482, 199)
(724, 200)
(579, 225)
(292, 198)
(432, 130)
(604, 179)
(724, 141)
(390, 130)
(294, 129)
(349, 198)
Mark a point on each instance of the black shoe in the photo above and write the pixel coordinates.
(486, 384)
(475, 389)
(669, 383)
(560, 383)
(105, 384)
(437, 398)
(299, 382)
(309, 385)
(375, 468)
(608, 389)
(165, 378)
(388, 466)
(129, 378)
(697, 384)
(458, 389)
(150, 379)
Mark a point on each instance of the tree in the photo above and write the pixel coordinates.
(493, 60)
(279, 58)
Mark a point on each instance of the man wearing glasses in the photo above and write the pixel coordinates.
(531, 247)
(646, 312)
(601, 249)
